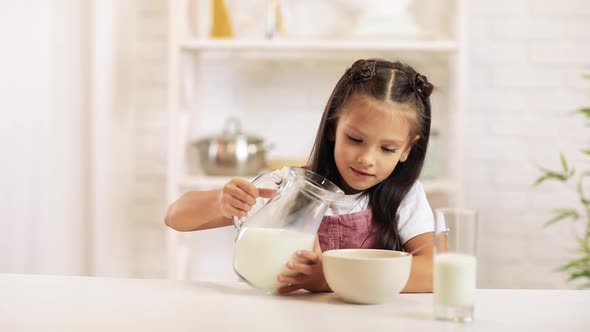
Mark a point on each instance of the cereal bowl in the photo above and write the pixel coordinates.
(366, 276)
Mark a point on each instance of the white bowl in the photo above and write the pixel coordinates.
(366, 276)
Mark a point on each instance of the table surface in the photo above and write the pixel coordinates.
(60, 303)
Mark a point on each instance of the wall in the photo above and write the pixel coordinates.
(66, 143)
(44, 169)
(527, 58)
(525, 61)
(149, 202)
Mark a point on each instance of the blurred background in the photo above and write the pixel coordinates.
(103, 103)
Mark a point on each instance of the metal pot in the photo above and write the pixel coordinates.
(232, 152)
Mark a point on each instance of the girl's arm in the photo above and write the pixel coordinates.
(196, 210)
(420, 280)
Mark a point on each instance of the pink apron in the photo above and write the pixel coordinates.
(346, 231)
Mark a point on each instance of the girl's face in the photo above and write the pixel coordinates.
(371, 138)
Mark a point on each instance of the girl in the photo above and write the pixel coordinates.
(371, 142)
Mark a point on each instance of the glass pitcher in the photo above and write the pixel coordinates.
(277, 227)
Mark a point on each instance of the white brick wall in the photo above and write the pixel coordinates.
(148, 206)
(525, 61)
(533, 53)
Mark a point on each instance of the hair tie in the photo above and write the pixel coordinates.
(421, 86)
(362, 70)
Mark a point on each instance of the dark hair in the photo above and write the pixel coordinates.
(384, 81)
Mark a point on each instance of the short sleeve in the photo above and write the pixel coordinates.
(415, 214)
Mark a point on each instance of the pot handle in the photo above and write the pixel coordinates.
(270, 180)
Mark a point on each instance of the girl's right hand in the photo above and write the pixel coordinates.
(238, 195)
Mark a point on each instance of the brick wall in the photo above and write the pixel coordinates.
(525, 61)
(525, 75)
(148, 205)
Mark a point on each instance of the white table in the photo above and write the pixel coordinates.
(57, 303)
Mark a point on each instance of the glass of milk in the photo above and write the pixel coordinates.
(454, 264)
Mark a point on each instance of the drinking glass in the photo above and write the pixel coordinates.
(454, 264)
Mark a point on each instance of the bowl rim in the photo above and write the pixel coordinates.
(333, 254)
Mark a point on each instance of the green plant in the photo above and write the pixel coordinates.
(579, 267)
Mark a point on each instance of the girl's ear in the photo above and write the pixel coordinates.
(406, 153)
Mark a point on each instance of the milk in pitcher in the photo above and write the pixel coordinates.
(261, 254)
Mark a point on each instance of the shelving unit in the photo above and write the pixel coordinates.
(197, 45)
(183, 47)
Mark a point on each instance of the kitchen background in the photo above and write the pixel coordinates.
(87, 132)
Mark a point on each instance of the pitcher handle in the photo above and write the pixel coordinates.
(270, 180)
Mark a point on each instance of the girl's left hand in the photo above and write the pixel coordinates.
(310, 275)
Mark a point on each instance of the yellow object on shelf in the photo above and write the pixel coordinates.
(221, 26)
(279, 19)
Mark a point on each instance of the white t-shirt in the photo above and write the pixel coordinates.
(415, 214)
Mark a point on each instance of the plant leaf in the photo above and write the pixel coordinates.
(585, 111)
(584, 245)
(580, 274)
(580, 188)
(549, 174)
(563, 162)
(574, 263)
(542, 179)
(586, 151)
(562, 214)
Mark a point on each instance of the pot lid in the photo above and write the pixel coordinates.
(232, 130)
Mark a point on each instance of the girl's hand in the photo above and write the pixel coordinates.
(310, 275)
(238, 195)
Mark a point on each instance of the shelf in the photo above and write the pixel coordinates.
(204, 182)
(318, 45)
